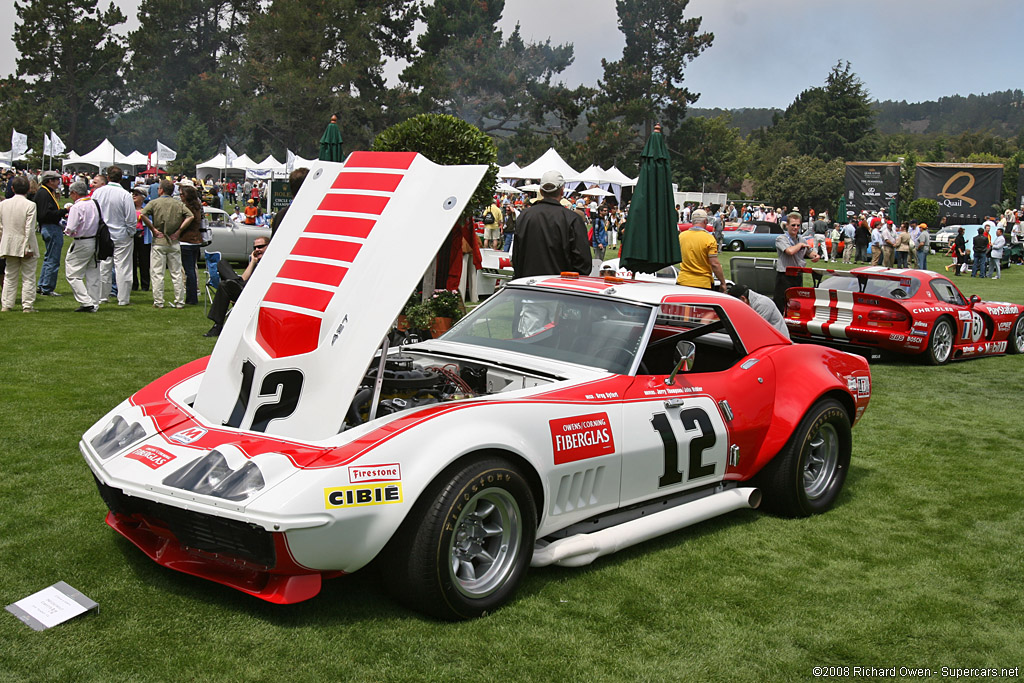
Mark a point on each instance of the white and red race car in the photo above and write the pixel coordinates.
(901, 311)
(563, 419)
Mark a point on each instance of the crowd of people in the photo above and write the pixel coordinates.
(154, 225)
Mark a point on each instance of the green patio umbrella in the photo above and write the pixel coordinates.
(841, 209)
(893, 206)
(651, 241)
(330, 142)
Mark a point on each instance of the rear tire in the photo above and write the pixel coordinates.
(735, 245)
(805, 478)
(465, 547)
(1016, 340)
(940, 343)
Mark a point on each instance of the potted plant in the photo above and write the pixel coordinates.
(419, 316)
(447, 307)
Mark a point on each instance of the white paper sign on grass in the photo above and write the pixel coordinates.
(51, 606)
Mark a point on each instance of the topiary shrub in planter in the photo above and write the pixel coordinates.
(446, 140)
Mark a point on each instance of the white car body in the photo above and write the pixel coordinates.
(258, 467)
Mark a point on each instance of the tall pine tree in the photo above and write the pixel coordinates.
(72, 60)
(645, 86)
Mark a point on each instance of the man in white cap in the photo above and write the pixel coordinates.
(550, 239)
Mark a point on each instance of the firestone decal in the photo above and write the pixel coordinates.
(151, 456)
(361, 496)
(187, 436)
(580, 438)
(361, 474)
(964, 315)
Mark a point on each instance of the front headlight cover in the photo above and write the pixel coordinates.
(212, 476)
(117, 436)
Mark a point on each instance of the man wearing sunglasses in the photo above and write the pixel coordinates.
(231, 285)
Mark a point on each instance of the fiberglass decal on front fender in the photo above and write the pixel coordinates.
(581, 437)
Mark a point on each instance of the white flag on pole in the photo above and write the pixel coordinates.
(56, 144)
(19, 143)
(47, 146)
(165, 153)
(229, 157)
(289, 164)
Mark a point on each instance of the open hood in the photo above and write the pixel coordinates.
(353, 245)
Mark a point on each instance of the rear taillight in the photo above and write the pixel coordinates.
(793, 309)
(887, 316)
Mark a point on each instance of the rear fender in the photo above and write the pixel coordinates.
(827, 373)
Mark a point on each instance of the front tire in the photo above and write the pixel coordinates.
(805, 478)
(940, 343)
(466, 545)
(1016, 339)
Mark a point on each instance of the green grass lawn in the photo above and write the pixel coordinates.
(920, 563)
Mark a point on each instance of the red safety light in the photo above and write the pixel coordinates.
(570, 276)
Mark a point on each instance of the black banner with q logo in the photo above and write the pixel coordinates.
(965, 192)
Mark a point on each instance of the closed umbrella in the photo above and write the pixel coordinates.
(841, 209)
(651, 239)
(330, 142)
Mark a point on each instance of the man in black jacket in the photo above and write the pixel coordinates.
(49, 214)
(550, 239)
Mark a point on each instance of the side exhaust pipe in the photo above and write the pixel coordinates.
(582, 549)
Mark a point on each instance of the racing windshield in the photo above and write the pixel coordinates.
(586, 330)
(891, 289)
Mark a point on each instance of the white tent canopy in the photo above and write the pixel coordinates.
(549, 161)
(136, 158)
(595, 175)
(271, 163)
(505, 188)
(104, 155)
(509, 171)
(617, 177)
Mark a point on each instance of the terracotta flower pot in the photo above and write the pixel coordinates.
(439, 326)
(403, 323)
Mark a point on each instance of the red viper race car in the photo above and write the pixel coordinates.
(914, 312)
(563, 419)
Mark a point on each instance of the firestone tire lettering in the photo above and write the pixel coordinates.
(464, 548)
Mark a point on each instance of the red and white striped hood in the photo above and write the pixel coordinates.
(351, 248)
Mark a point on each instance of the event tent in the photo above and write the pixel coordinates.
(104, 155)
(509, 171)
(549, 161)
(617, 177)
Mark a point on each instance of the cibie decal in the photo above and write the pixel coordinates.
(151, 456)
(581, 437)
(359, 496)
(360, 474)
(187, 436)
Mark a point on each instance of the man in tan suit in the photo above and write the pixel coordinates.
(19, 246)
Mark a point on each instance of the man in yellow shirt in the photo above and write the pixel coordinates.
(699, 252)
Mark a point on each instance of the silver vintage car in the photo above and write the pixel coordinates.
(230, 237)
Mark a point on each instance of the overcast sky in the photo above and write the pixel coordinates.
(767, 51)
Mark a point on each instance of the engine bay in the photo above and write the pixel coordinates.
(412, 379)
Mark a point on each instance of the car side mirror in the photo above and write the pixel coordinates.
(975, 299)
(687, 352)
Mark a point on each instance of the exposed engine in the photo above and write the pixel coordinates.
(412, 380)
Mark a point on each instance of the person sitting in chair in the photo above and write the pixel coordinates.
(231, 285)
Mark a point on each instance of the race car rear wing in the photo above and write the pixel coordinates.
(863, 276)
